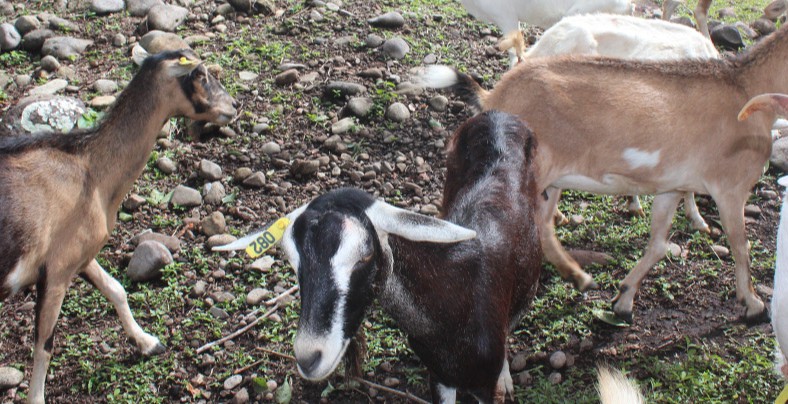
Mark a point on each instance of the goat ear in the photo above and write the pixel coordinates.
(182, 66)
(414, 226)
(765, 102)
(139, 54)
(244, 241)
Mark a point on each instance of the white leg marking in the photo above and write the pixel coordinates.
(448, 394)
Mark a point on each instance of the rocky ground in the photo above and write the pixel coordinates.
(325, 102)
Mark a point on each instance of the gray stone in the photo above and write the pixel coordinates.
(221, 315)
(342, 126)
(63, 47)
(213, 193)
(256, 180)
(103, 7)
(159, 41)
(409, 89)
(210, 170)
(344, 89)
(26, 24)
(262, 264)
(219, 239)
(558, 360)
(147, 261)
(721, 251)
(241, 397)
(102, 101)
(439, 103)
(752, 210)
(247, 76)
(390, 20)
(104, 86)
(140, 8)
(727, 12)
(256, 296)
(34, 40)
(287, 77)
(304, 168)
(233, 382)
(166, 17)
(519, 362)
(727, 37)
(185, 196)
(10, 377)
(335, 144)
(9, 37)
(373, 41)
(271, 148)
(133, 202)
(555, 378)
(779, 157)
(172, 243)
(165, 165)
(241, 173)
(763, 26)
(397, 112)
(224, 9)
(199, 288)
(430, 59)
(22, 80)
(46, 113)
(315, 15)
(396, 48)
(213, 224)
(50, 63)
(360, 106)
(119, 40)
(254, 6)
(674, 250)
(50, 87)
(62, 25)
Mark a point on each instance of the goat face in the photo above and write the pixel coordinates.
(338, 245)
(209, 100)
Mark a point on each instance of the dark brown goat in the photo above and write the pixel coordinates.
(456, 300)
(60, 194)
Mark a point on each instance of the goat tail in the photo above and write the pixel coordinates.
(615, 388)
(439, 76)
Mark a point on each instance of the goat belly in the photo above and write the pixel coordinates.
(607, 184)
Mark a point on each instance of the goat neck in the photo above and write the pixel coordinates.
(762, 69)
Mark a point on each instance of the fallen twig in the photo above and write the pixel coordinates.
(267, 351)
(275, 300)
(238, 332)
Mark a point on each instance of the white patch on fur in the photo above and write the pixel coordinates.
(448, 394)
(20, 277)
(639, 158)
(352, 248)
(435, 76)
(331, 347)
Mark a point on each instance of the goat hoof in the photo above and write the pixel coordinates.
(157, 349)
(757, 318)
(625, 316)
(585, 283)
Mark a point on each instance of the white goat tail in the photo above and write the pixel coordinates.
(436, 76)
(615, 388)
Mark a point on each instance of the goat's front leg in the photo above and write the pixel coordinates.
(49, 299)
(668, 8)
(553, 251)
(702, 15)
(634, 206)
(731, 207)
(505, 386)
(114, 292)
(662, 212)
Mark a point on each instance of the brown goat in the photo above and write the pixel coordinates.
(633, 127)
(60, 194)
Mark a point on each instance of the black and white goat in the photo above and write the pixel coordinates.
(455, 292)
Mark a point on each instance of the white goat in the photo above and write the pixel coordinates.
(507, 14)
(627, 37)
(779, 104)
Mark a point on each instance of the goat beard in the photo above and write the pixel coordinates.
(354, 356)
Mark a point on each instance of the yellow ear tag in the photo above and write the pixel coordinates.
(185, 62)
(783, 397)
(268, 238)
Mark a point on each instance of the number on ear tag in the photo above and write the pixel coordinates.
(268, 238)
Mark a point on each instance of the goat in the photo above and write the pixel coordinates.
(620, 126)
(455, 297)
(60, 194)
(507, 14)
(627, 37)
(778, 104)
(701, 14)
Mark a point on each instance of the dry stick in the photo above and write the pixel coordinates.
(389, 390)
(285, 293)
(239, 332)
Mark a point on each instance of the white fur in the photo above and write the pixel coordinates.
(19, 276)
(448, 394)
(622, 36)
(615, 388)
(780, 297)
(435, 76)
(394, 220)
(639, 158)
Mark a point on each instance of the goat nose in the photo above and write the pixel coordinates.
(308, 362)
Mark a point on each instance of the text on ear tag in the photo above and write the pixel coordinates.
(268, 238)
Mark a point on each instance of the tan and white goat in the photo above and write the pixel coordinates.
(618, 126)
(60, 194)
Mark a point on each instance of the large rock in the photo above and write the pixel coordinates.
(185, 196)
(779, 156)
(9, 37)
(50, 88)
(148, 260)
(140, 8)
(26, 24)
(210, 170)
(102, 7)
(336, 89)
(396, 48)
(159, 41)
(397, 112)
(10, 377)
(213, 193)
(255, 6)
(213, 224)
(166, 17)
(34, 40)
(47, 114)
(171, 242)
(63, 47)
(390, 20)
(727, 37)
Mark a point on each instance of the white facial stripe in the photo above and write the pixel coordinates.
(287, 238)
(639, 158)
(351, 250)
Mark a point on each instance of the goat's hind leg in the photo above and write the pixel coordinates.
(693, 214)
(731, 208)
(49, 299)
(114, 292)
(442, 394)
(662, 212)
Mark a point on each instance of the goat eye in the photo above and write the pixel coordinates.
(365, 259)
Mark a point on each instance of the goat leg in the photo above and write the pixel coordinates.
(441, 394)
(567, 267)
(634, 206)
(49, 299)
(731, 207)
(701, 16)
(662, 212)
(114, 292)
(693, 214)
